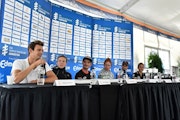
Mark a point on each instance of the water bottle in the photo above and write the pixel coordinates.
(173, 77)
(41, 75)
(147, 74)
(119, 74)
(159, 77)
(93, 74)
(125, 76)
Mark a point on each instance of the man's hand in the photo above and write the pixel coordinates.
(39, 62)
(34, 81)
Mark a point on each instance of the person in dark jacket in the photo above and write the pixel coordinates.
(139, 74)
(84, 73)
(60, 69)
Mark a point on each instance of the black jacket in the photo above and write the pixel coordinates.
(82, 75)
(61, 73)
(137, 75)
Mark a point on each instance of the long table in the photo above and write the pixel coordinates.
(107, 102)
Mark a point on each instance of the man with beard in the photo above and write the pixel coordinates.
(84, 73)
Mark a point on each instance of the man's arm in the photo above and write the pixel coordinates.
(51, 77)
(20, 75)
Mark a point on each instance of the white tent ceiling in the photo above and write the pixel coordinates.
(163, 14)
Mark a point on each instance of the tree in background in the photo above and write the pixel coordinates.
(154, 61)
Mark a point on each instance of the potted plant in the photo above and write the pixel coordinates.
(154, 61)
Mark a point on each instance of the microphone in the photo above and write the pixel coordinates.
(43, 65)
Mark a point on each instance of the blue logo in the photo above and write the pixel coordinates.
(5, 63)
(77, 68)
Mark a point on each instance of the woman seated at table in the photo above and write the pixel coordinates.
(105, 73)
(123, 72)
(60, 69)
(139, 74)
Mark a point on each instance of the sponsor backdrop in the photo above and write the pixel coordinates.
(64, 32)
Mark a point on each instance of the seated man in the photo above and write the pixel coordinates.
(84, 73)
(26, 70)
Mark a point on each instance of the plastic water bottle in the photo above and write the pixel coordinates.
(125, 76)
(173, 77)
(121, 73)
(41, 75)
(119, 76)
(159, 77)
(147, 75)
(93, 74)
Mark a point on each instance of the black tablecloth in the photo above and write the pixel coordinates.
(111, 102)
(151, 102)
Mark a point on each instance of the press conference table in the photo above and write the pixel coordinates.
(158, 101)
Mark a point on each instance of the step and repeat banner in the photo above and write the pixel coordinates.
(64, 32)
(112, 39)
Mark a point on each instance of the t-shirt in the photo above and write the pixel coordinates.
(82, 75)
(106, 74)
(22, 64)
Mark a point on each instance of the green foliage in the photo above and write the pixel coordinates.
(154, 61)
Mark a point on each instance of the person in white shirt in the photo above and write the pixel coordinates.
(123, 71)
(25, 70)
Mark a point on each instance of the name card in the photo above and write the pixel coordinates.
(177, 80)
(115, 80)
(83, 81)
(167, 80)
(64, 83)
(87, 81)
(141, 80)
(104, 82)
(94, 81)
(131, 81)
(152, 80)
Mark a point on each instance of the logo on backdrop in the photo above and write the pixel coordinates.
(53, 57)
(55, 16)
(5, 63)
(116, 69)
(36, 6)
(68, 67)
(77, 68)
(4, 50)
(98, 68)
